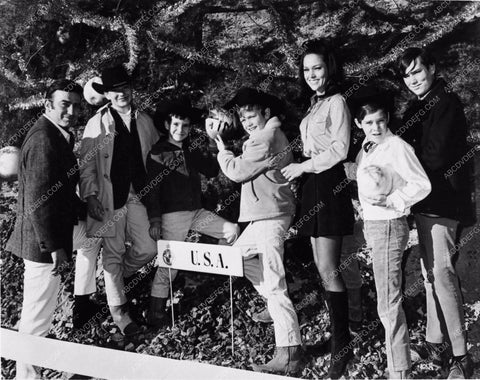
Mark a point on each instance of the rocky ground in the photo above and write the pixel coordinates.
(202, 328)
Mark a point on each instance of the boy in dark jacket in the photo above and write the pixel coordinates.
(174, 202)
(436, 127)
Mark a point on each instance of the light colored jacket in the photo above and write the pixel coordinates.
(96, 151)
(265, 191)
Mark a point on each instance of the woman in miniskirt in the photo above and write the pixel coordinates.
(326, 211)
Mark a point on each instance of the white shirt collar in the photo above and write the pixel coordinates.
(62, 131)
(388, 135)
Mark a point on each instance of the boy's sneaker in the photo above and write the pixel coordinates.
(262, 317)
(433, 352)
(461, 368)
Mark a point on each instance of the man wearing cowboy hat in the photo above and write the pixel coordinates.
(113, 182)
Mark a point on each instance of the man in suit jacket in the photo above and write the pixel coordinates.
(46, 214)
(436, 127)
(114, 148)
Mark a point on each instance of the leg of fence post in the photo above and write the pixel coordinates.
(171, 296)
(231, 312)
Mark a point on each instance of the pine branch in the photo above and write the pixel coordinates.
(12, 77)
(75, 15)
(33, 101)
(376, 14)
(171, 12)
(441, 27)
(190, 54)
(289, 46)
(208, 59)
(132, 47)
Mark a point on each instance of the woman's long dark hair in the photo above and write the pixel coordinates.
(334, 68)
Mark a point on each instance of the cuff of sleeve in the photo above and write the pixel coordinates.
(155, 219)
(223, 154)
(85, 196)
(212, 145)
(46, 248)
(308, 166)
(396, 202)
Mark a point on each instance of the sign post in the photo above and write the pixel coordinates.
(205, 258)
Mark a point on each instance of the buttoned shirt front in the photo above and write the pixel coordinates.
(325, 132)
(410, 182)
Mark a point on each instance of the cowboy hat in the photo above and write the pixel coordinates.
(112, 78)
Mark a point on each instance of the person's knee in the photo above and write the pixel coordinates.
(113, 266)
(326, 270)
(232, 234)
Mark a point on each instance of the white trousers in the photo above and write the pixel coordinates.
(41, 288)
(175, 226)
(262, 246)
(86, 260)
(40, 295)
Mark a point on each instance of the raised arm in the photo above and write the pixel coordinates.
(253, 161)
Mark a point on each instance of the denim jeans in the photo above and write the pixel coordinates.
(388, 239)
(262, 247)
(445, 318)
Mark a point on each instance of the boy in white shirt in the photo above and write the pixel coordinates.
(390, 180)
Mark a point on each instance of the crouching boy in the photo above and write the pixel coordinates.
(174, 204)
(267, 203)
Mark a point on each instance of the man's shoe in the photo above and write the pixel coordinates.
(262, 317)
(156, 315)
(133, 334)
(121, 316)
(461, 368)
(85, 311)
(287, 360)
(433, 352)
(131, 330)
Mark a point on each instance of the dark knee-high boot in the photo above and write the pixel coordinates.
(341, 349)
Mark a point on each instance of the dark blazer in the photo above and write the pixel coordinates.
(173, 174)
(437, 129)
(47, 202)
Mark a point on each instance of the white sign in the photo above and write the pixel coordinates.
(196, 257)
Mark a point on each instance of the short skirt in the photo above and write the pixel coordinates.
(326, 206)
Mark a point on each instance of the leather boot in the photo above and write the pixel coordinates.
(85, 311)
(341, 349)
(355, 314)
(120, 316)
(287, 360)
(156, 315)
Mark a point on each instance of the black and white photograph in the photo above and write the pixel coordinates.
(217, 189)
